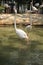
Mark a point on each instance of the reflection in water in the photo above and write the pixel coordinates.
(14, 56)
(18, 56)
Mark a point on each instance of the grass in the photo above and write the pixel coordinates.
(14, 51)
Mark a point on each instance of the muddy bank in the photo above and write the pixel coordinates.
(36, 19)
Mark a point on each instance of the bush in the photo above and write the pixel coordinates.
(1, 9)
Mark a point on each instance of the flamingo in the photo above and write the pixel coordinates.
(30, 25)
(33, 7)
(21, 33)
(37, 5)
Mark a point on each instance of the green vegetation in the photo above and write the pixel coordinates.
(1, 9)
(14, 51)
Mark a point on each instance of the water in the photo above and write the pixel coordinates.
(12, 56)
(14, 51)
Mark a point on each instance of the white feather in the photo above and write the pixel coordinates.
(34, 8)
(29, 26)
(19, 32)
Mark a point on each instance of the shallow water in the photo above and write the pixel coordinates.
(13, 56)
(14, 51)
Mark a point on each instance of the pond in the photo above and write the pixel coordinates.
(14, 51)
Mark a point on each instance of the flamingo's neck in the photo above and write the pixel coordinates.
(15, 21)
(31, 4)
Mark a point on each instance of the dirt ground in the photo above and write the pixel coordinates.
(21, 18)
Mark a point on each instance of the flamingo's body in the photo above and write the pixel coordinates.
(21, 33)
(29, 27)
(33, 7)
(37, 5)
